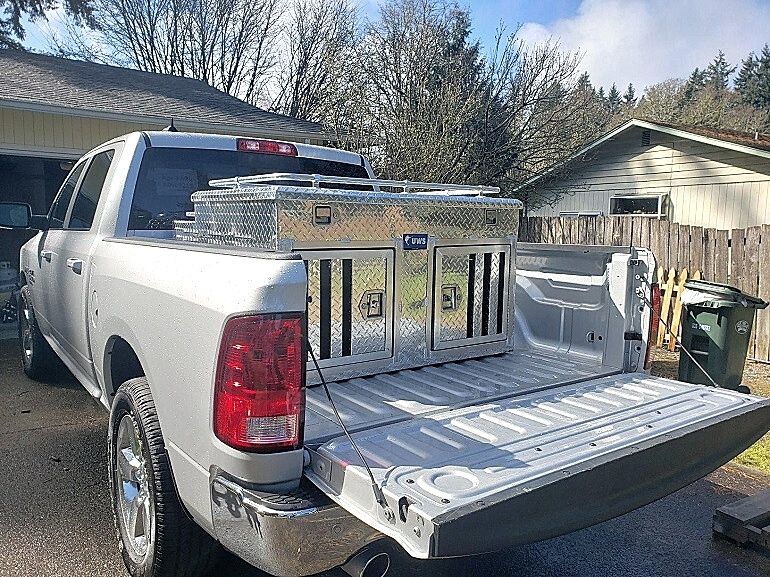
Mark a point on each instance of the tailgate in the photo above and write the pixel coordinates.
(530, 467)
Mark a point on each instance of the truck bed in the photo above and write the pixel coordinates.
(378, 400)
(561, 433)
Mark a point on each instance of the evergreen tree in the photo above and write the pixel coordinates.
(15, 12)
(746, 81)
(718, 72)
(601, 95)
(613, 99)
(629, 98)
(695, 83)
(584, 83)
(762, 99)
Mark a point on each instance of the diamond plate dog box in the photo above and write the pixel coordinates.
(395, 280)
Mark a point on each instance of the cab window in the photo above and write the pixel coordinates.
(62, 202)
(87, 197)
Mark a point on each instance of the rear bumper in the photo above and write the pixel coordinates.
(287, 535)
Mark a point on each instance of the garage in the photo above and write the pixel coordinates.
(53, 110)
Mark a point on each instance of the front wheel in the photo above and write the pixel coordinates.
(37, 357)
(156, 537)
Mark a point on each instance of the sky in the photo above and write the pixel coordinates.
(621, 41)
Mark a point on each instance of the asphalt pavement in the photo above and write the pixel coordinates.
(55, 517)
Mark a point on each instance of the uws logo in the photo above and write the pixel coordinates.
(415, 241)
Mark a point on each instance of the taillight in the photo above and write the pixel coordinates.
(266, 146)
(259, 392)
(652, 332)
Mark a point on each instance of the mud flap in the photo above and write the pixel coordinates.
(530, 467)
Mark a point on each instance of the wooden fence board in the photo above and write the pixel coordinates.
(673, 246)
(721, 255)
(751, 283)
(600, 230)
(639, 237)
(708, 253)
(677, 315)
(696, 248)
(683, 251)
(737, 262)
(762, 330)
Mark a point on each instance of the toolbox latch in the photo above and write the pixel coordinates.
(371, 304)
(322, 214)
(449, 297)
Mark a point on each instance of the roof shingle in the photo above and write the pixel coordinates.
(87, 86)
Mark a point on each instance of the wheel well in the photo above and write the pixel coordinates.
(123, 364)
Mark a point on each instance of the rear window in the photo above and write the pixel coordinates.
(168, 176)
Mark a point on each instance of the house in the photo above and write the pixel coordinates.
(693, 176)
(53, 110)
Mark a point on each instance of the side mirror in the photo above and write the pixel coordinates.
(18, 215)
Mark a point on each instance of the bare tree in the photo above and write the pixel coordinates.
(430, 105)
(229, 44)
(319, 39)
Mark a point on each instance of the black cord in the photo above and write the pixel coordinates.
(378, 494)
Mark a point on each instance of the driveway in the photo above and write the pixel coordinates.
(56, 519)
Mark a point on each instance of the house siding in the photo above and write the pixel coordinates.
(705, 185)
(33, 133)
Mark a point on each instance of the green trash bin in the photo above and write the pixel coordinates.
(716, 328)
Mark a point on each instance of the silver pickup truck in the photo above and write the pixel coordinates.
(310, 367)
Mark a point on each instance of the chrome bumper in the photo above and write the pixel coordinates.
(287, 535)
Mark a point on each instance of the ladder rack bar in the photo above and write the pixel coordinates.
(317, 179)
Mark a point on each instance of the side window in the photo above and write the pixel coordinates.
(87, 198)
(62, 202)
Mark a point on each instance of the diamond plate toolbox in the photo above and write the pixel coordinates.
(394, 280)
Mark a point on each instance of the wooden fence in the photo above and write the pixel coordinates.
(739, 257)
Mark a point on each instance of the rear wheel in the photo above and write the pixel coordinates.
(157, 538)
(37, 357)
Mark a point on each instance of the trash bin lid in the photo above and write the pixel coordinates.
(716, 294)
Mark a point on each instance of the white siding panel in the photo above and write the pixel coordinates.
(707, 186)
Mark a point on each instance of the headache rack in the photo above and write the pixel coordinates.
(395, 279)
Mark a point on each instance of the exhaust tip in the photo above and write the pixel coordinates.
(368, 563)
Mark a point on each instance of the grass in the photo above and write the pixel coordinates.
(756, 376)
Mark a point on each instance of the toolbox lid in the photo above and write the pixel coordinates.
(714, 294)
(283, 192)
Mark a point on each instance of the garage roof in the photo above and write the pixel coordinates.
(36, 81)
(753, 143)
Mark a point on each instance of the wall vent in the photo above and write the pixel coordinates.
(645, 137)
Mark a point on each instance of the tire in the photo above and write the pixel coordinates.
(168, 543)
(38, 359)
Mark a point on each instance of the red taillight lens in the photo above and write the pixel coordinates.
(652, 332)
(266, 146)
(259, 392)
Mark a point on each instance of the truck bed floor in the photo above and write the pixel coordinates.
(381, 399)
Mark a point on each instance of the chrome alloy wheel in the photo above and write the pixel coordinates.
(135, 503)
(25, 332)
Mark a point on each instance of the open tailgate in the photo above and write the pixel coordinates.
(529, 467)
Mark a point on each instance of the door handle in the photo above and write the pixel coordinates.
(46, 254)
(75, 264)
